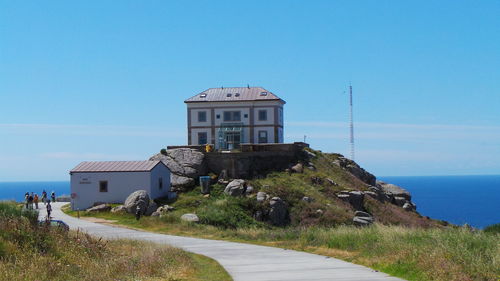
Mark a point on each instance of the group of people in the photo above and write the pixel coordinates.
(32, 199)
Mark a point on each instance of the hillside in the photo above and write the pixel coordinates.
(324, 189)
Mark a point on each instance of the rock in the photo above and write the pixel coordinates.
(307, 199)
(138, 198)
(372, 194)
(249, 190)
(185, 165)
(316, 180)
(394, 190)
(181, 183)
(408, 206)
(330, 181)
(152, 207)
(262, 196)
(356, 199)
(319, 212)
(155, 214)
(355, 170)
(278, 214)
(259, 216)
(400, 201)
(164, 209)
(206, 195)
(118, 209)
(236, 188)
(223, 176)
(362, 221)
(100, 208)
(298, 168)
(190, 218)
(311, 166)
(309, 154)
(362, 214)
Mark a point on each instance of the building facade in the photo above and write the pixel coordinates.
(228, 117)
(114, 181)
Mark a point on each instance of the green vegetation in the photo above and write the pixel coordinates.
(32, 252)
(493, 229)
(400, 243)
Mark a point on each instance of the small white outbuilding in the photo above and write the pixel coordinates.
(113, 181)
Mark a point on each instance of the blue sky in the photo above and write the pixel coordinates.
(106, 80)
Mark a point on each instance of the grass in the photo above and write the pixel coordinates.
(32, 252)
(400, 243)
(453, 253)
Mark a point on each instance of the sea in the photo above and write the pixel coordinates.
(472, 200)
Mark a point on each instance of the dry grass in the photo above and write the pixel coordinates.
(32, 252)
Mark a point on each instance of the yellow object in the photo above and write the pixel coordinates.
(208, 147)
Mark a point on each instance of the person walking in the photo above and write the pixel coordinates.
(53, 196)
(35, 199)
(44, 197)
(30, 201)
(49, 210)
(26, 199)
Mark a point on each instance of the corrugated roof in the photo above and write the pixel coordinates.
(115, 166)
(234, 94)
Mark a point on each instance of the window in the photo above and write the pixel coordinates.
(245, 115)
(280, 113)
(229, 95)
(232, 116)
(263, 115)
(262, 136)
(203, 95)
(218, 116)
(202, 116)
(202, 138)
(103, 186)
(160, 183)
(263, 93)
(237, 94)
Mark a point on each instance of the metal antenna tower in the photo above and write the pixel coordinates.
(351, 123)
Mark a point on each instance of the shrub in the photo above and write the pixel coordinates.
(492, 229)
(227, 213)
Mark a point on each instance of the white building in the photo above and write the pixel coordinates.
(227, 117)
(113, 181)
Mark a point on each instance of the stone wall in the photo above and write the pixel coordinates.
(255, 159)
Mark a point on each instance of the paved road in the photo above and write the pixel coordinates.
(244, 262)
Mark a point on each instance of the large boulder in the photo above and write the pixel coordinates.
(185, 165)
(393, 190)
(278, 213)
(139, 198)
(236, 188)
(181, 183)
(355, 198)
(100, 208)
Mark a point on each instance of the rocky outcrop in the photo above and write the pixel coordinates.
(139, 198)
(278, 214)
(190, 218)
(393, 190)
(100, 208)
(355, 198)
(185, 165)
(354, 169)
(362, 218)
(237, 187)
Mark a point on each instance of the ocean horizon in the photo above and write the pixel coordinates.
(472, 200)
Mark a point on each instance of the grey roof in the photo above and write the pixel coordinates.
(236, 94)
(115, 166)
